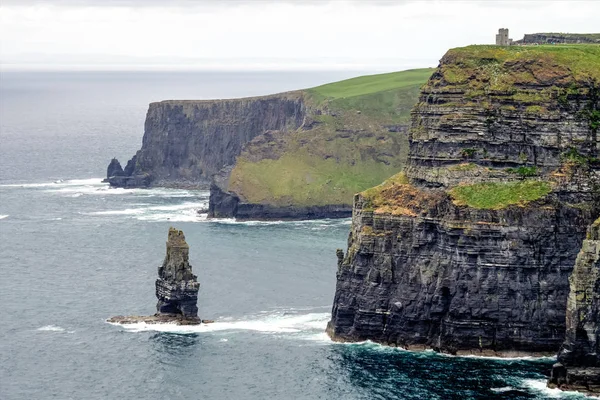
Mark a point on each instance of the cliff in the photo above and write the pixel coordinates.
(578, 366)
(176, 287)
(186, 142)
(470, 250)
(294, 155)
(353, 137)
(559, 38)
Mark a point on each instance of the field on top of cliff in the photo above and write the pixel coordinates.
(355, 140)
(507, 67)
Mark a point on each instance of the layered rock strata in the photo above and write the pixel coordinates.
(176, 287)
(578, 366)
(295, 155)
(470, 251)
(186, 142)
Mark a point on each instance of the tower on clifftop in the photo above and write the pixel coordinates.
(502, 37)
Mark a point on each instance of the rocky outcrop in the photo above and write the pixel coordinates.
(578, 366)
(559, 38)
(295, 155)
(176, 287)
(186, 142)
(470, 251)
(229, 205)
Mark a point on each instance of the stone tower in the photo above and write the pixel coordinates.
(502, 37)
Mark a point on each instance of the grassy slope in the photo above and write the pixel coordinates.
(345, 151)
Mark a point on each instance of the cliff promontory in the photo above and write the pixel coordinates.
(294, 155)
(471, 248)
(186, 142)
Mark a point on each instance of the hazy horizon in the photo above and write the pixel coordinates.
(265, 35)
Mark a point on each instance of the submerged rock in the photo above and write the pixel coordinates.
(578, 366)
(176, 287)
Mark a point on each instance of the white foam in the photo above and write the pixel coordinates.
(503, 389)
(189, 215)
(184, 212)
(58, 183)
(127, 211)
(279, 323)
(319, 224)
(522, 358)
(51, 328)
(2, 216)
(539, 385)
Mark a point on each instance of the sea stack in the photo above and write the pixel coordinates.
(176, 287)
(578, 366)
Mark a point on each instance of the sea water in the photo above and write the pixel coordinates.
(75, 252)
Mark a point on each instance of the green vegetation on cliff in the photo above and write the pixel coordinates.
(498, 195)
(390, 96)
(506, 69)
(354, 137)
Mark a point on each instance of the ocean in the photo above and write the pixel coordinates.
(75, 252)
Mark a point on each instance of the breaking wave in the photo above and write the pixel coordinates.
(310, 326)
(51, 328)
(2, 216)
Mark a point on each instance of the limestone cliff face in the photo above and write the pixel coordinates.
(186, 142)
(578, 366)
(470, 251)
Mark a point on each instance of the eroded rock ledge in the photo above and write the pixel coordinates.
(470, 250)
(176, 287)
(578, 366)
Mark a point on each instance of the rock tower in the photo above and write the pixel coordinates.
(176, 286)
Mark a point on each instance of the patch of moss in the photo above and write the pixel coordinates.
(523, 172)
(464, 167)
(495, 196)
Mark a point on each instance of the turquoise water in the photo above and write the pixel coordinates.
(75, 252)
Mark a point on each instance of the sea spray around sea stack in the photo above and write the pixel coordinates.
(176, 287)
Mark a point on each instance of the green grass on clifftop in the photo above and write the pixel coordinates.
(347, 148)
(388, 97)
(369, 84)
(500, 68)
(496, 196)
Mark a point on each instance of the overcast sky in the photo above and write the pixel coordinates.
(262, 34)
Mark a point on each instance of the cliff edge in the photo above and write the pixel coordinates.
(296, 155)
(469, 251)
(578, 366)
